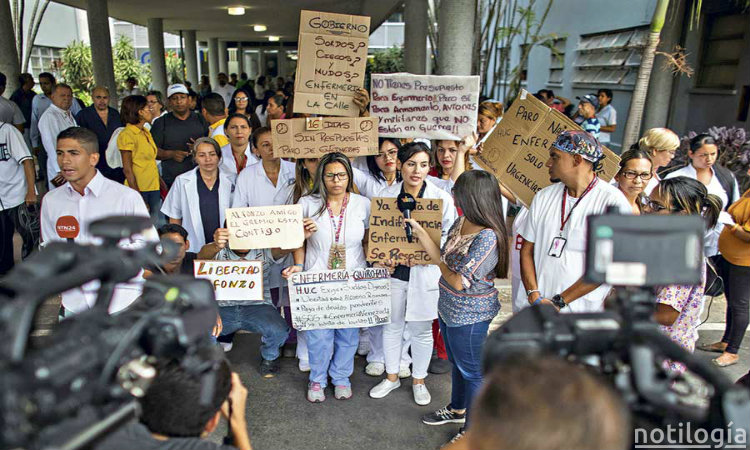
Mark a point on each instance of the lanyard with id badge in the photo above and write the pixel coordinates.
(558, 243)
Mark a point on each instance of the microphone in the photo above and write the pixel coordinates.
(67, 227)
(406, 204)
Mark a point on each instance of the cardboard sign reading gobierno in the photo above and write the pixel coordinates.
(331, 66)
(265, 227)
(518, 148)
(425, 106)
(232, 280)
(313, 137)
(387, 236)
(340, 298)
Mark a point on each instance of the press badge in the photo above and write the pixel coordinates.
(556, 249)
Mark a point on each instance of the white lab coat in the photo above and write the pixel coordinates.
(182, 203)
(229, 164)
(422, 296)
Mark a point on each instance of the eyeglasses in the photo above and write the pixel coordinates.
(337, 176)
(240, 99)
(630, 175)
(389, 154)
(655, 206)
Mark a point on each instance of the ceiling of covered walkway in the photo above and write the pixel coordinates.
(210, 18)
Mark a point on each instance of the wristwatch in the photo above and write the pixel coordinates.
(558, 301)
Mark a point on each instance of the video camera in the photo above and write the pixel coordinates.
(83, 383)
(623, 343)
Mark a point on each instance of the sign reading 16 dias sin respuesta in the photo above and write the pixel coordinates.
(330, 299)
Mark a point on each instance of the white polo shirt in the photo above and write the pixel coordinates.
(102, 198)
(542, 226)
(53, 121)
(13, 152)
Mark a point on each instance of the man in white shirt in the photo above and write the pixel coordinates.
(55, 119)
(607, 116)
(9, 111)
(85, 197)
(224, 88)
(16, 187)
(39, 105)
(554, 235)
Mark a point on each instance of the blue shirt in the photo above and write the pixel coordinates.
(591, 126)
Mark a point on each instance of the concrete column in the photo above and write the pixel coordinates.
(213, 61)
(156, 47)
(191, 57)
(240, 59)
(415, 36)
(661, 83)
(262, 66)
(9, 62)
(455, 36)
(281, 65)
(223, 57)
(101, 47)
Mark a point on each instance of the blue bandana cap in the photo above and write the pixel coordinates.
(578, 142)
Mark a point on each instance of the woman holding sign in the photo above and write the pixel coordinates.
(342, 219)
(199, 197)
(474, 253)
(414, 293)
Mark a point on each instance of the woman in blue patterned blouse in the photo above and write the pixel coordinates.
(474, 253)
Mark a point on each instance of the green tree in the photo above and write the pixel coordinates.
(78, 70)
(126, 65)
(175, 71)
(390, 60)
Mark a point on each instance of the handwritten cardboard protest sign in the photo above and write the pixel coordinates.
(265, 227)
(340, 298)
(232, 280)
(331, 66)
(388, 237)
(518, 148)
(313, 137)
(425, 106)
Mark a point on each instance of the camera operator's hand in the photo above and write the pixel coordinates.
(237, 422)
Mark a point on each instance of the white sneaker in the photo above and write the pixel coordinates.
(384, 388)
(227, 346)
(404, 372)
(421, 395)
(375, 369)
(304, 365)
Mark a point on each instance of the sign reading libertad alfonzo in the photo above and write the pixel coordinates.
(331, 66)
(425, 106)
(313, 137)
(265, 227)
(387, 236)
(232, 280)
(518, 148)
(340, 298)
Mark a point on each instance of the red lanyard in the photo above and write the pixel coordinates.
(564, 219)
(337, 228)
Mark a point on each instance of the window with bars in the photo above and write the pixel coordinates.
(44, 59)
(723, 43)
(557, 61)
(610, 58)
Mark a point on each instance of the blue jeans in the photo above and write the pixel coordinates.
(153, 203)
(464, 347)
(263, 319)
(332, 353)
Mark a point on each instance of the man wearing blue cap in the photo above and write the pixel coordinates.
(554, 235)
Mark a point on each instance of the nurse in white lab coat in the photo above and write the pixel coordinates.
(414, 290)
(336, 222)
(199, 197)
(238, 154)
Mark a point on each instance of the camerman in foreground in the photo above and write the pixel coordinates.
(173, 417)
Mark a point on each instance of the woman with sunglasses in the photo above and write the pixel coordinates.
(719, 181)
(635, 171)
(661, 144)
(336, 222)
(241, 103)
(678, 307)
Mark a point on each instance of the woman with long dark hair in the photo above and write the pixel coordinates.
(678, 307)
(474, 253)
(414, 293)
(241, 103)
(336, 222)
